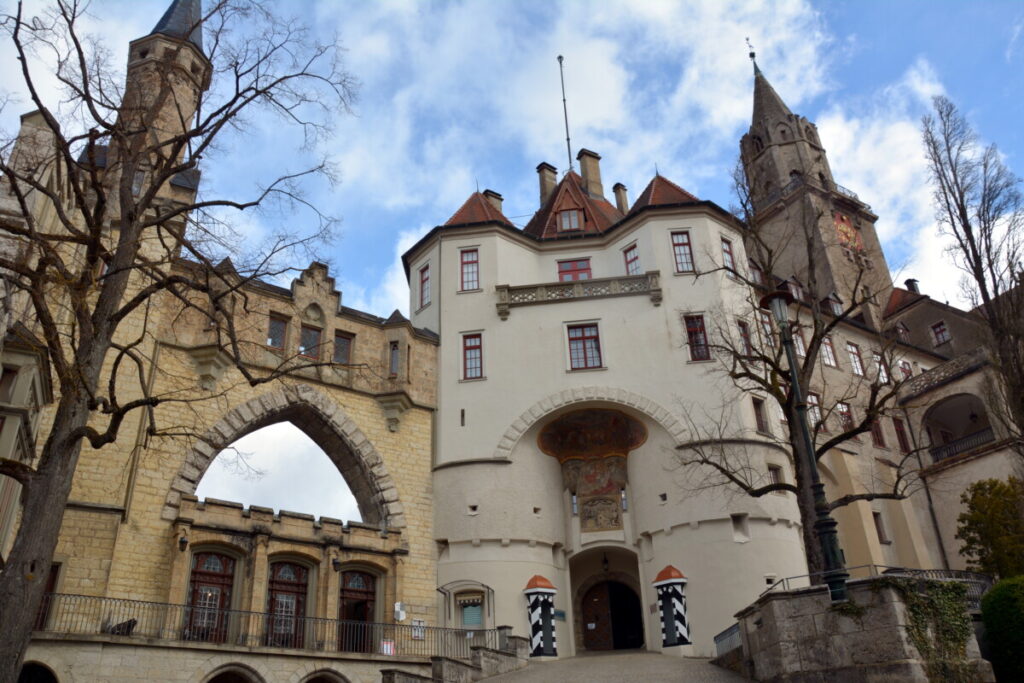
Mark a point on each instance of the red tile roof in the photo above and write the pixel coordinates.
(669, 573)
(900, 299)
(598, 212)
(477, 209)
(661, 191)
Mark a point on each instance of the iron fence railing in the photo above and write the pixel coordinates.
(82, 614)
(977, 584)
(963, 444)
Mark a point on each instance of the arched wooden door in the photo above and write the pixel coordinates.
(289, 583)
(612, 618)
(355, 610)
(213, 575)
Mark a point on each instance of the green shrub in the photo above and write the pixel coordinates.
(1002, 610)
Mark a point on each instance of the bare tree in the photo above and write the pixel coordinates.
(745, 344)
(101, 222)
(978, 203)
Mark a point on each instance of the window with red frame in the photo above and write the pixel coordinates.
(856, 362)
(727, 259)
(277, 332)
(578, 269)
(472, 356)
(814, 410)
(767, 331)
(881, 368)
(697, 337)
(343, 347)
(632, 256)
(798, 340)
(877, 435)
(756, 274)
(584, 347)
(940, 333)
(745, 344)
(470, 269)
(424, 286)
(903, 333)
(905, 369)
(901, 435)
(309, 342)
(682, 251)
(828, 352)
(845, 416)
(759, 416)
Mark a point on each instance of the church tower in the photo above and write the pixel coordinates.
(804, 217)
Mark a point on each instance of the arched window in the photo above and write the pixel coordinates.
(758, 143)
(356, 606)
(286, 604)
(210, 588)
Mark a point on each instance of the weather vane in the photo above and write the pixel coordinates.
(751, 48)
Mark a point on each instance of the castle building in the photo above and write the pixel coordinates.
(522, 448)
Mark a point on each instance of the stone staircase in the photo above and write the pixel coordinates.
(484, 663)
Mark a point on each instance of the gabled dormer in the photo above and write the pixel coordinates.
(576, 205)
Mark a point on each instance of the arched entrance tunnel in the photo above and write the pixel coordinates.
(607, 608)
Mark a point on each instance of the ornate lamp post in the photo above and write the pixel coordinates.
(824, 526)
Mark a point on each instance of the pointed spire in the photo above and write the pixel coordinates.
(768, 106)
(182, 20)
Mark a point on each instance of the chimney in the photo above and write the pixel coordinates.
(912, 286)
(590, 169)
(494, 198)
(546, 172)
(621, 201)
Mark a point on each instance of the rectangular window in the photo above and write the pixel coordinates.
(828, 352)
(877, 435)
(905, 369)
(584, 347)
(578, 269)
(697, 338)
(881, 369)
(277, 332)
(798, 340)
(727, 259)
(940, 333)
(393, 359)
(767, 331)
(632, 257)
(756, 274)
(903, 333)
(424, 286)
(470, 272)
(901, 435)
(796, 290)
(880, 528)
(774, 474)
(569, 220)
(745, 345)
(472, 615)
(845, 416)
(681, 250)
(814, 410)
(472, 356)
(856, 362)
(309, 342)
(759, 416)
(342, 348)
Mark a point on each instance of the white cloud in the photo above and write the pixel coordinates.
(393, 291)
(279, 467)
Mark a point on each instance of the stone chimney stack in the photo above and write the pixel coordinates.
(590, 169)
(546, 173)
(621, 200)
(494, 198)
(912, 286)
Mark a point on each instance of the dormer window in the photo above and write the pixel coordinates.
(569, 220)
(903, 333)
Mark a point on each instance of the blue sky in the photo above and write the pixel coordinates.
(459, 94)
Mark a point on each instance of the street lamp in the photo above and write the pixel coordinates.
(824, 525)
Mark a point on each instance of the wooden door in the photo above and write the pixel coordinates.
(355, 610)
(597, 618)
(213, 576)
(286, 599)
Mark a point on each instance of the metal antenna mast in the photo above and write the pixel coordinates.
(565, 111)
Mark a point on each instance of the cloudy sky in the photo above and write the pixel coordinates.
(456, 95)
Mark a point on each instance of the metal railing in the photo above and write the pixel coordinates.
(963, 444)
(82, 614)
(977, 584)
(728, 640)
(554, 292)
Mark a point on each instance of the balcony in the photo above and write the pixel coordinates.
(962, 445)
(599, 288)
(147, 621)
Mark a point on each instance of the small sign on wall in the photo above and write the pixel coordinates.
(591, 626)
(559, 615)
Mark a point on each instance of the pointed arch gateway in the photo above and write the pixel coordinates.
(326, 423)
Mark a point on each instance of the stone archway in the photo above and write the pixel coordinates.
(325, 423)
(607, 395)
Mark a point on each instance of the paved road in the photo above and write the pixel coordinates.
(649, 667)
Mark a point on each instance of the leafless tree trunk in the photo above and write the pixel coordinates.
(99, 244)
(978, 203)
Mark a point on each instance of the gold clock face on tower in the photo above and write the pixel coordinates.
(849, 236)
